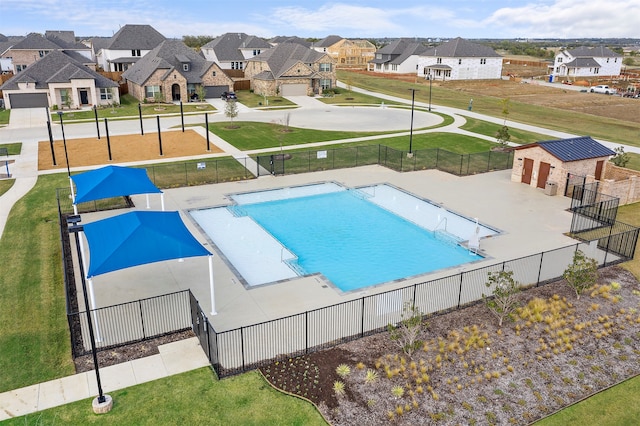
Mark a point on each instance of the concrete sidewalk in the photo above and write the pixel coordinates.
(174, 358)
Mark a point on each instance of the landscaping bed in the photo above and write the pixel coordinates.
(557, 351)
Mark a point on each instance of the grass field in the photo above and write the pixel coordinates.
(12, 148)
(5, 185)
(4, 116)
(489, 129)
(578, 123)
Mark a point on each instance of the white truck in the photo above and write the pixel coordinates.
(602, 88)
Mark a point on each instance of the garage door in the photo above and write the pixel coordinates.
(215, 91)
(294, 89)
(28, 100)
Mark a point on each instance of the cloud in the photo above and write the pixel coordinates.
(568, 19)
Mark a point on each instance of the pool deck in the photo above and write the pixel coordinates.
(531, 222)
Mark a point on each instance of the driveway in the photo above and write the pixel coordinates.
(27, 117)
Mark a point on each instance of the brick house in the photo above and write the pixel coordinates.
(173, 72)
(553, 161)
(36, 46)
(290, 69)
(58, 80)
(231, 50)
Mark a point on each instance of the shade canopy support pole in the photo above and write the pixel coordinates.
(213, 299)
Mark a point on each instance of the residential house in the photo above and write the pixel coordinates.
(400, 57)
(587, 62)
(173, 72)
(232, 50)
(290, 69)
(537, 164)
(57, 80)
(286, 39)
(346, 53)
(127, 46)
(35, 46)
(6, 64)
(460, 59)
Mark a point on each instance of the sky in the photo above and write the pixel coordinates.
(319, 18)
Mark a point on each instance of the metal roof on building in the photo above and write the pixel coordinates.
(573, 149)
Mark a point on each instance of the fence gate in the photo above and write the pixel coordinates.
(572, 181)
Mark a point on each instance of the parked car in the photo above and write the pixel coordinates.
(228, 95)
(602, 88)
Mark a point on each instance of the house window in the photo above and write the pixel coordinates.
(560, 59)
(64, 96)
(256, 52)
(105, 93)
(394, 67)
(607, 60)
(325, 83)
(20, 68)
(236, 65)
(325, 67)
(596, 70)
(150, 91)
(459, 61)
(41, 53)
(483, 61)
(615, 59)
(135, 52)
(185, 67)
(213, 74)
(439, 61)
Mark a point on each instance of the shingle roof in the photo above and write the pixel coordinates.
(168, 55)
(35, 41)
(328, 41)
(583, 63)
(285, 55)
(396, 47)
(287, 39)
(593, 52)
(100, 43)
(67, 36)
(461, 48)
(142, 37)
(410, 50)
(56, 67)
(573, 149)
(227, 46)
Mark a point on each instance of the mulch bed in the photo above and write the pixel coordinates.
(508, 379)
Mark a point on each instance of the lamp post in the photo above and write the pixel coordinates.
(413, 99)
(140, 115)
(429, 76)
(64, 142)
(103, 400)
(95, 113)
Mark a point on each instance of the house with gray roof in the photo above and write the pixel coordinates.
(6, 63)
(587, 62)
(232, 50)
(552, 162)
(398, 57)
(172, 71)
(460, 59)
(289, 39)
(58, 80)
(291, 69)
(35, 46)
(127, 46)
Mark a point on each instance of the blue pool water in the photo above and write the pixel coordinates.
(352, 241)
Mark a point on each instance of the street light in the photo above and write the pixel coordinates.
(413, 99)
(74, 228)
(429, 77)
(64, 142)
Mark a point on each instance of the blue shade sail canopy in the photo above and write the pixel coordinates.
(112, 181)
(138, 238)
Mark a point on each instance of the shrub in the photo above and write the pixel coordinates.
(343, 370)
(406, 333)
(582, 273)
(505, 294)
(338, 387)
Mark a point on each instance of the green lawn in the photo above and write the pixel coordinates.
(557, 119)
(5, 185)
(4, 116)
(490, 129)
(251, 100)
(34, 336)
(12, 148)
(617, 406)
(192, 398)
(129, 108)
(345, 97)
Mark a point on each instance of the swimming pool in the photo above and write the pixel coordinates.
(354, 237)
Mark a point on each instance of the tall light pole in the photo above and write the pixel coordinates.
(429, 76)
(413, 102)
(102, 400)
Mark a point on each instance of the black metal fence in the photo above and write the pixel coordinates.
(424, 159)
(203, 172)
(573, 180)
(592, 209)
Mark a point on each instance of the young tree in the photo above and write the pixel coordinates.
(506, 292)
(582, 273)
(231, 109)
(406, 333)
(201, 93)
(621, 158)
(505, 110)
(503, 136)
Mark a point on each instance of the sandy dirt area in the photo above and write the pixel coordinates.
(125, 148)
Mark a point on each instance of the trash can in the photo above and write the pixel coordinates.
(551, 188)
(550, 78)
